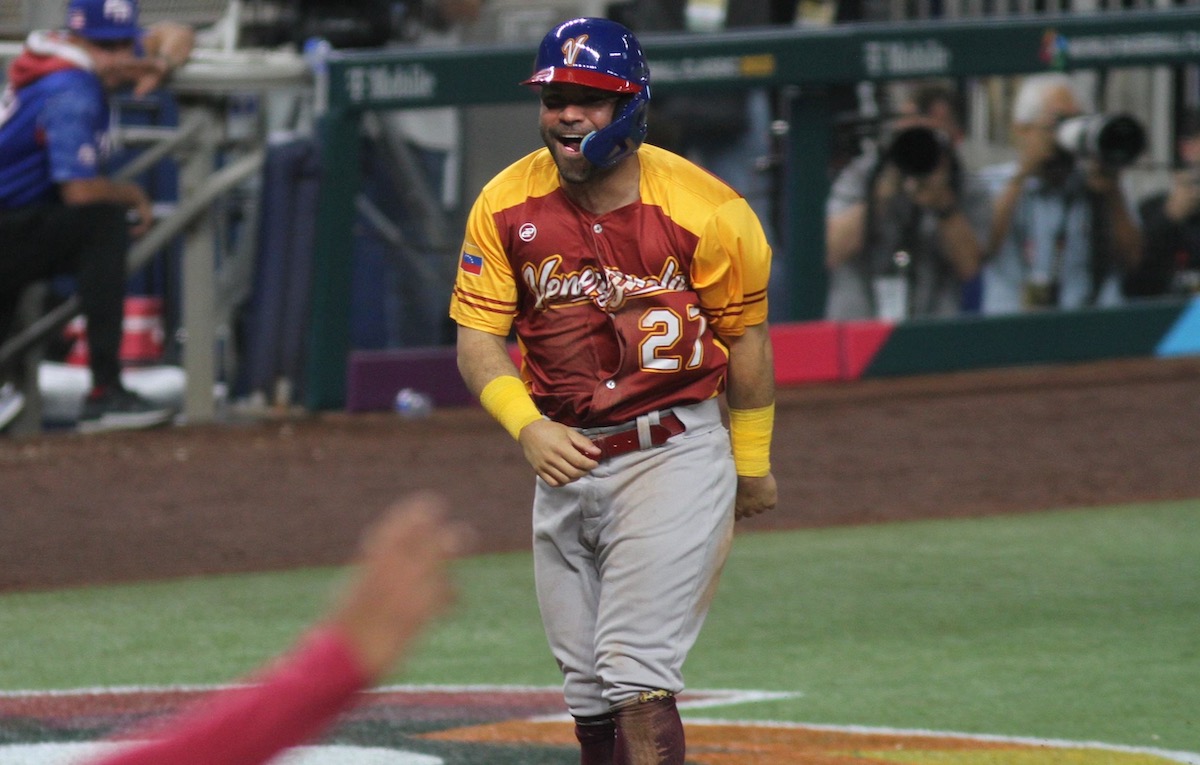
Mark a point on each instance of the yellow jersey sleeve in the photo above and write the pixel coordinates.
(485, 291)
(731, 268)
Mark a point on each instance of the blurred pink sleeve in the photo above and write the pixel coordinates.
(290, 702)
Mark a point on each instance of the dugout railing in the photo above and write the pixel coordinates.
(212, 163)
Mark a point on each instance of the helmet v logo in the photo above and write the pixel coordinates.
(571, 49)
(604, 56)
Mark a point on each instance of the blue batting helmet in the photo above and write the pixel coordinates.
(601, 54)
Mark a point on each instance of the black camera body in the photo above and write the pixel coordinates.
(918, 150)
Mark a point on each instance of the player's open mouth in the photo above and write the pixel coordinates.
(570, 143)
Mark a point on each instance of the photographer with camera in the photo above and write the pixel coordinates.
(905, 225)
(1171, 226)
(1063, 230)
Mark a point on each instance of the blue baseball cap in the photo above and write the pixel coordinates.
(104, 19)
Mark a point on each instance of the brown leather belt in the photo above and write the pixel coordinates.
(626, 441)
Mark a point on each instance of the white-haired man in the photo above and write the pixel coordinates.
(1063, 230)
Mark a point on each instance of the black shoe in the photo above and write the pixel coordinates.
(120, 409)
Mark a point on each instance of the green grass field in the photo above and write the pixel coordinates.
(1080, 625)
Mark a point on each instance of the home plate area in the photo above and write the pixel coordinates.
(439, 725)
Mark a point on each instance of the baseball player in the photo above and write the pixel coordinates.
(636, 283)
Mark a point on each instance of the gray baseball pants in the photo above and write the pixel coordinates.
(627, 560)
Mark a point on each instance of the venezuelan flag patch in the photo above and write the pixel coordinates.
(472, 264)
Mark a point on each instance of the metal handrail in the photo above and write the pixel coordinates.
(174, 138)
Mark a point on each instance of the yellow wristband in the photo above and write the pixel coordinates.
(506, 399)
(750, 432)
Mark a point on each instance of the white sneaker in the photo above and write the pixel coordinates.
(12, 401)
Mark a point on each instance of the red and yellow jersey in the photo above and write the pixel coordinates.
(621, 313)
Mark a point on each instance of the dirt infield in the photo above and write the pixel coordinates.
(297, 491)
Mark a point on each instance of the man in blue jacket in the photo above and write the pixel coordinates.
(59, 213)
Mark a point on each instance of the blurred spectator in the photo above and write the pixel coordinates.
(59, 214)
(1063, 230)
(418, 303)
(1171, 227)
(400, 584)
(906, 224)
(411, 203)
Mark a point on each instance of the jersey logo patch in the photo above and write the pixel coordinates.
(472, 264)
(527, 232)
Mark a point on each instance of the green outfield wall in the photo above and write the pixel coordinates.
(921, 347)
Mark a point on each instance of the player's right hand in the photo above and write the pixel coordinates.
(557, 453)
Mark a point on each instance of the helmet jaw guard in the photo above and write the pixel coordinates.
(602, 54)
(621, 137)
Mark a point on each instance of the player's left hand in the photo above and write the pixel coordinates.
(755, 494)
